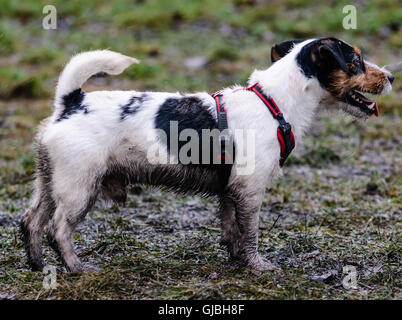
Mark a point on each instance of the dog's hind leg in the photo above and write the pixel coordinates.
(61, 232)
(34, 221)
(41, 208)
(71, 210)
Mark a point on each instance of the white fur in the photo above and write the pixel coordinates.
(87, 141)
(84, 65)
(388, 87)
(82, 147)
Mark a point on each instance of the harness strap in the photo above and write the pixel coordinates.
(284, 131)
(221, 112)
(224, 157)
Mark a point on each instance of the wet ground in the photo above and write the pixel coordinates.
(338, 204)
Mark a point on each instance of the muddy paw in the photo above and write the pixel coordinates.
(260, 264)
(36, 265)
(83, 267)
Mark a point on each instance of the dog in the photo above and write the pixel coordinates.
(97, 143)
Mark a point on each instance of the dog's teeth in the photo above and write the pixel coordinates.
(371, 106)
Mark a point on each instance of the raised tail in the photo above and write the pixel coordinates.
(84, 65)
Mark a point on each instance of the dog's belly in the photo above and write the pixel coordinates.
(207, 180)
(204, 179)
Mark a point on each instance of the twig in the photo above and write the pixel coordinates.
(273, 225)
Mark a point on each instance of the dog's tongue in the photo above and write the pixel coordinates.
(368, 102)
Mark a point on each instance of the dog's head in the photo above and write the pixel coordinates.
(340, 70)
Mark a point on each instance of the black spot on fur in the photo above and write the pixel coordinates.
(189, 113)
(305, 61)
(322, 57)
(132, 106)
(200, 177)
(73, 104)
(280, 50)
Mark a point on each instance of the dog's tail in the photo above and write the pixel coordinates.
(84, 65)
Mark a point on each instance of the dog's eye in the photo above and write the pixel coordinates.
(356, 61)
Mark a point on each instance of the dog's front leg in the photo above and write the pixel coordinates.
(247, 208)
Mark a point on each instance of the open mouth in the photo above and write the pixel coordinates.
(366, 105)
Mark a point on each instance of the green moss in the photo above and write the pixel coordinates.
(41, 55)
(316, 156)
(143, 70)
(224, 53)
(10, 78)
(7, 43)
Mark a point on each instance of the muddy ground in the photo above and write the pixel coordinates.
(338, 203)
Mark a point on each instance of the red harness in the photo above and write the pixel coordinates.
(284, 131)
(225, 157)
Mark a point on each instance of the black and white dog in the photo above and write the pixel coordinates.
(97, 143)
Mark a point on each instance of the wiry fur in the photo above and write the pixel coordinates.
(96, 144)
(374, 80)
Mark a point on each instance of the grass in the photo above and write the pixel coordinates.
(233, 36)
(165, 246)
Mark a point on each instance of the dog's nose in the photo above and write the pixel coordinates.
(391, 78)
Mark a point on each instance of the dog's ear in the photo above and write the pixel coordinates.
(280, 50)
(327, 53)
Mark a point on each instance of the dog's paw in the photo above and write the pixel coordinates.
(260, 264)
(84, 267)
(89, 267)
(36, 265)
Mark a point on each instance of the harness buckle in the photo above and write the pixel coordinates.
(285, 128)
(283, 125)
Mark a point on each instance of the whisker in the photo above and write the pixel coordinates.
(395, 67)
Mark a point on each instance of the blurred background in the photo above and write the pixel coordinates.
(353, 168)
(183, 45)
